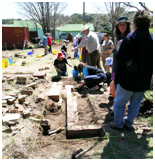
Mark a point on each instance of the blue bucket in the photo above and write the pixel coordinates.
(30, 53)
(75, 73)
(9, 61)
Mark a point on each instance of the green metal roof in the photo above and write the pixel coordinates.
(27, 23)
(75, 27)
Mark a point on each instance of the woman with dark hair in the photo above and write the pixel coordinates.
(93, 76)
(136, 48)
(106, 50)
(121, 30)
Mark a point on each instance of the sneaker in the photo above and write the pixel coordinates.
(112, 125)
(94, 88)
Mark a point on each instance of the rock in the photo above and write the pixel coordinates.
(39, 74)
(26, 103)
(21, 79)
(12, 94)
(3, 80)
(13, 111)
(28, 92)
(41, 97)
(11, 101)
(10, 79)
(22, 98)
(10, 119)
(5, 110)
(19, 107)
(45, 68)
(26, 114)
(7, 97)
(33, 85)
(4, 103)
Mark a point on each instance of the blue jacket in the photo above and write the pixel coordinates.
(139, 43)
(45, 40)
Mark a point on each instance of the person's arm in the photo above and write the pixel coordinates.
(82, 44)
(69, 64)
(57, 69)
(110, 50)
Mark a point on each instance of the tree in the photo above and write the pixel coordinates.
(113, 11)
(142, 4)
(45, 13)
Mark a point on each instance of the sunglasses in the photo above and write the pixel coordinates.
(106, 35)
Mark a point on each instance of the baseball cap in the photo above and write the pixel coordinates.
(122, 19)
(85, 27)
(60, 55)
(108, 61)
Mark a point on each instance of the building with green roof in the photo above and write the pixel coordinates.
(74, 28)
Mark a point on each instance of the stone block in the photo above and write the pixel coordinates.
(28, 92)
(33, 85)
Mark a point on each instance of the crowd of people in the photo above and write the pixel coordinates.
(127, 66)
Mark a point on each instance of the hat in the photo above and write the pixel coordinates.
(122, 19)
(108, 61)
(85, 27)
(60, 55)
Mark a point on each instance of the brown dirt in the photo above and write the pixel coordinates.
(30, 142)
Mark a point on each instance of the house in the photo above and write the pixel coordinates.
(73, 28)
(35, 29)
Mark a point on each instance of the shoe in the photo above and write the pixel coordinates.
(112, 125)
(94, 88)
(129, 128)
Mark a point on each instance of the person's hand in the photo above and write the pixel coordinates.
(59, 70)
(72, 50)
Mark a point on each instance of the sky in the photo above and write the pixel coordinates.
(9, 9)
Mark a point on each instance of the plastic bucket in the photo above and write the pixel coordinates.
(54, 52)
(3, 64)
(30, 53)
(80, 57)
(6, 62)
(75, 73)
(9, 61)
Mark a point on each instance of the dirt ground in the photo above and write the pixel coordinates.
(30, 142)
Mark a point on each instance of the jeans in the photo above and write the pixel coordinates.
(62, 74)
(50, 48)
(76, 51)
(120, 101)
(93, 80)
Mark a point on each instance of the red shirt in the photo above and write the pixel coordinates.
(49, 40)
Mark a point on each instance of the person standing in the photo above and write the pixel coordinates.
(122, 28)
(136, 48)
(75, 43)
(49, 43)
(45, 41)
(92, 43)
(106, 50)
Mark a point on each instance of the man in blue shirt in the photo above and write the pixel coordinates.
(45, 40)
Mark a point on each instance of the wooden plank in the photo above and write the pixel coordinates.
(55, 90)
(73, 130)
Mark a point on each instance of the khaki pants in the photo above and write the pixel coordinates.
(95, 59)
(104, 56)
(45, 50)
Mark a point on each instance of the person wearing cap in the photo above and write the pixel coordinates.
(122, 28)
(60, 65)
(106, 50)
(132, 84)
(92, 43)
(75, 43)
(45, 41)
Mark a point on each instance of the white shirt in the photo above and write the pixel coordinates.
(91, 41)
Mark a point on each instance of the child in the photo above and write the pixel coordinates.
(60, 65)
(64, 50)
(109, 62)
